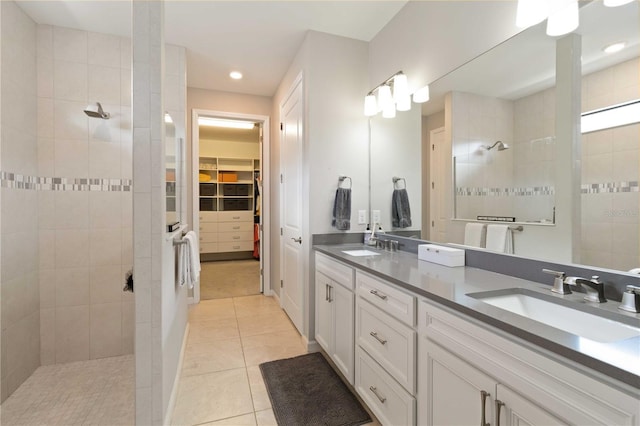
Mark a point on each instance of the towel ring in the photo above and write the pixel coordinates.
(341, 179)
(398, 179)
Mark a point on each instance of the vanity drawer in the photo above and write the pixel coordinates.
(235, 246)
(392, 301)
(208, 227)
(235, 216)
(235, 236)
(391, 343)
(236, 227)
(208, 237)
(391, 404)
(335, 270)
(208, 216)
(208, 247)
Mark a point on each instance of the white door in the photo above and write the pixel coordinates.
(439, 157)
(291, 291)
(342, 352)
(518, 411)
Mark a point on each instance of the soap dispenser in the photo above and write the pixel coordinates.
(367, 235)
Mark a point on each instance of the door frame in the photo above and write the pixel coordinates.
(265, 194)
(434, 203)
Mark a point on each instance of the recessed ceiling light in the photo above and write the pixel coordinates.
(236, 75)
(615, 47)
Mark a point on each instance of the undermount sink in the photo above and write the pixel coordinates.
(545, 309)
(360, 253)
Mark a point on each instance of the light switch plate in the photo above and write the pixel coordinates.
(362, 217)
(376, 216)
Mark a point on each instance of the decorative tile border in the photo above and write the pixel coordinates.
(609, 187)
(505, 192)
(38, 183)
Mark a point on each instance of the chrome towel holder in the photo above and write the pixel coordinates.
(341, 180)
(397, 179)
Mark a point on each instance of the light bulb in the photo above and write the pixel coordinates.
(421, 95)
(385, 100)
(404, 104)
(531, 12)
(389, 111)
(370, 105)
(564, 19)
(400, 87)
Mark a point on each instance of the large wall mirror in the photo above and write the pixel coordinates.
(508, 95)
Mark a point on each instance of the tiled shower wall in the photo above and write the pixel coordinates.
(610, 174)
(85, 231)
(20, 354)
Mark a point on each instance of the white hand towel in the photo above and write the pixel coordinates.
(474, 234)
(499, 238)
(193, 258)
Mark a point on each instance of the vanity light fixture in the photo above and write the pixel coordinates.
(167, 118)
(562, 15)
(392, 95)
(614, 47)
(421, 96)
(222, 122)
(236, 75)
(564, 18)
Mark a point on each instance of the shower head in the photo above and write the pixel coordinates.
(499, 144)
(96, 111)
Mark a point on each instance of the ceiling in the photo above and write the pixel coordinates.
(257, 38)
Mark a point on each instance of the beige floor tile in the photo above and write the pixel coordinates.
(262, 324)
(206, 331)
(255, 300)
(210, 397)
(211, 356)
(259, 393)
(271, 346)
(208, 310)
(246, 420)
(243, 311)
(266, 418)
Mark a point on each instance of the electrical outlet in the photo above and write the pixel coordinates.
(376, 216)
(362, 217)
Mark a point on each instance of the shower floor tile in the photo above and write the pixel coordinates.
(96, 392)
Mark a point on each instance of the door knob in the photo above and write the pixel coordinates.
(297, 240)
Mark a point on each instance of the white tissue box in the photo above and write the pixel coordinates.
(447, 256)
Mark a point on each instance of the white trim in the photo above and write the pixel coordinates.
(311, 345)
(176, 380)
(265, 169)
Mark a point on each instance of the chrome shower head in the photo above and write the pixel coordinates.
(499, 144)
(96, 111)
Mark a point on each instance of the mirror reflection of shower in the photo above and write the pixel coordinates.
(96, 111)
(499, 144)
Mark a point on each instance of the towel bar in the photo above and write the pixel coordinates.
(519, 228)
(343, 178)
(398, 179)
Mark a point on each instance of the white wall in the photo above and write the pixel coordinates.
(334, 84)
(427, 39)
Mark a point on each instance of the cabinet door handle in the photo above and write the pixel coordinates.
(499, 405)
(375, 392)
(375, 336)
(330, 298)
(483, 401)
(326, 292)
(375, 293)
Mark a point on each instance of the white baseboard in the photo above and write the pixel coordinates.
(312, 346)
(176, 381)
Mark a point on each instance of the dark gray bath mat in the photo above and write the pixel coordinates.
(306, 391)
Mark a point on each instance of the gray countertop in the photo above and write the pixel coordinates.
(450, 287)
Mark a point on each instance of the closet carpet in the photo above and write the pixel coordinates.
(229, 278)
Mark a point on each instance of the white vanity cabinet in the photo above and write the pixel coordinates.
(460, 361)
(386, 352)
(335, 312)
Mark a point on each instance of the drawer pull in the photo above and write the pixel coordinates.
(375, 392)
(375, 293)
(483, 401)
(236, 238)
(236, 227)
(499, 405)
(236, 247)
(375, 336)
(236, 217)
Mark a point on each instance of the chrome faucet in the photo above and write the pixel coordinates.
(559, 284)
(593, 287)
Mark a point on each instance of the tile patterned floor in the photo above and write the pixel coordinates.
(96, 392)
(221, 383)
